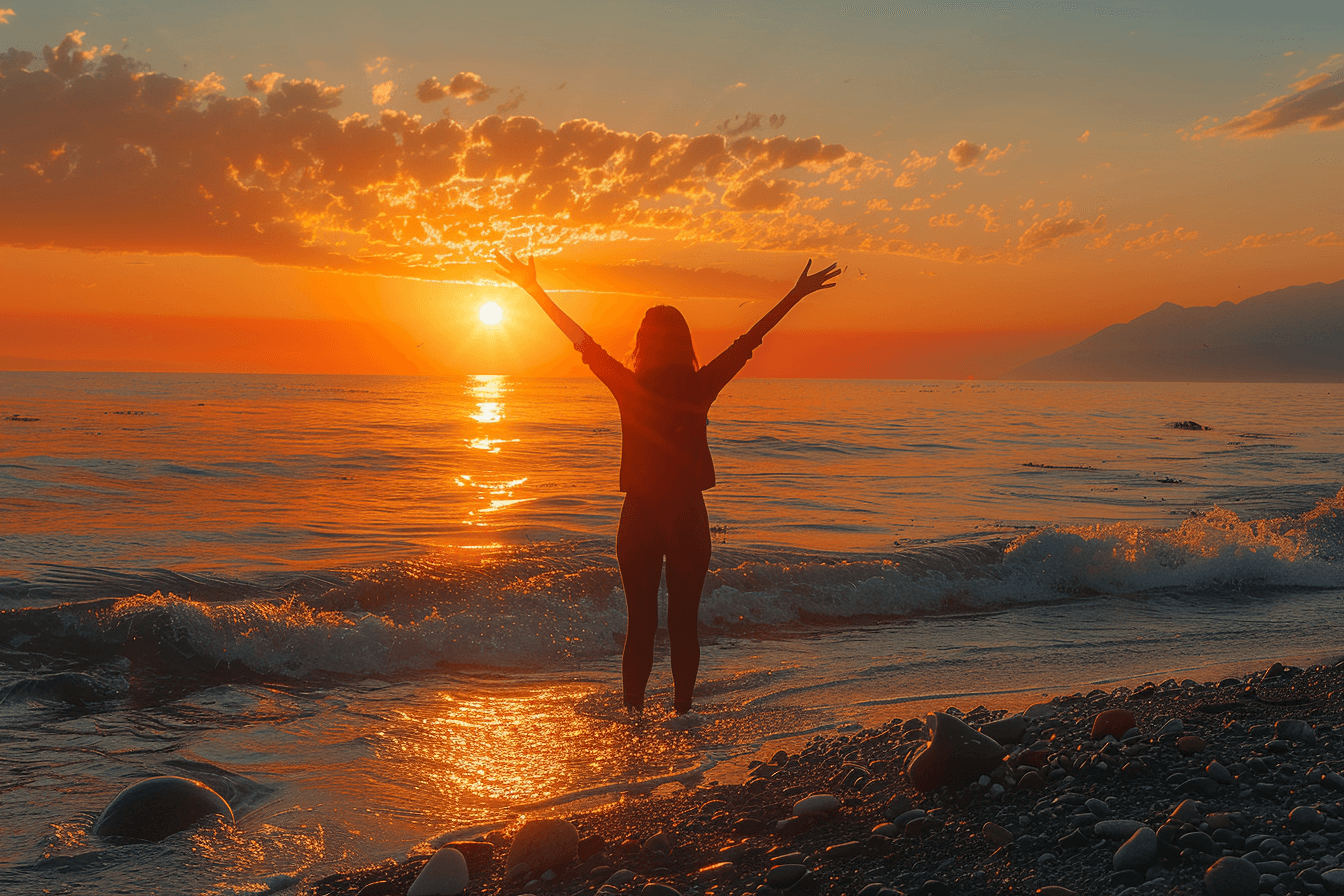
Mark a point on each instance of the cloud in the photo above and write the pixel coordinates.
(376, 66)
(106, 154)
(742, 124)
(467, 86)
(877, 205)
(1161, 238)
(1262, 241)
(515, 99)
(1316, 101)
(382, 93)
(917, 204)
(914, 164)
(6, 15)
(985, 213)
(1046, 233)
(1082, 138)
(1326, 239)
(951, 219)
(965, 154)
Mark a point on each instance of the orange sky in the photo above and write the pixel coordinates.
(996, 187)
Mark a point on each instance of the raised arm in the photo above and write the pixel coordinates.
(807, 284)
(525, 275)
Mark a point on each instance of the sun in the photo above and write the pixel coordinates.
(491, 314)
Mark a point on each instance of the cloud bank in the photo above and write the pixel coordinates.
(97, 151)
(1317, 101)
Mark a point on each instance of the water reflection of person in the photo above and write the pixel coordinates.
(665, 466)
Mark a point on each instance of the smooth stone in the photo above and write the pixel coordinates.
(956, 754)
(1198, 840)
(1040, 711)
(843, 850)
(1006, 731)
(1173, 726)
(1114, 722)
(1217, 772)
(381, 888)
(157, 807)
(1200, 785)
(718, 870)
(657, 845)
(658, 890)
(783, 876)
(443, 875)
(1306, 818)
(1191, 744)
(543, 844)
(789, 858)
(1097, 807)
(1117, 828)
(1138, 852)
(1056, 891)
(816, 804)
(1032, 780)
(906, 817)
(1334, 879)
(1187, 810)
(1232, 876)
(619, 878)
(1297, 731)
(997, 834)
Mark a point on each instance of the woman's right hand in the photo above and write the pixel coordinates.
(525, 275)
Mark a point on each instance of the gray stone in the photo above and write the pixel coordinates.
(1295, 730)
(1306, 818)
(1217, 772)
(1232, 876)
(658, 890)
(1117, 828)
(1138, 852)
(1097, 807)
(1173, 726)
(157, 807)
(782, 877)
(620, 878)
(1334, 879)
(816, 804)
(906, 817)
(443, 875)
(1006, 731)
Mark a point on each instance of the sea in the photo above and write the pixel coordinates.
(377, 613)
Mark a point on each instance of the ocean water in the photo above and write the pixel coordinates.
(375, 611)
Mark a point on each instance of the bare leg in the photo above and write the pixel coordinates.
(639, 553)
(687, 563)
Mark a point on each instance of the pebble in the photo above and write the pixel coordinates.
(544, 843)
(1138, 852)
(997, 834)
(843, 850)
(1295, 731)
(718, 871)
(1186, 810)
(658, 890)
(1306, 818)
(1191, 744)
(1097, 807)
(1232, 876)
(1055, 891)
(445, 874)
(816, 804)
(1217, 772)
(620, 878)
(1114, 722)
(1173, 726)
(1006, 731)
(783, 876)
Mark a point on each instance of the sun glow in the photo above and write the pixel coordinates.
(491, 314)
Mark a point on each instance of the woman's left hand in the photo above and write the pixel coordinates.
(525, 275)
(809, 283)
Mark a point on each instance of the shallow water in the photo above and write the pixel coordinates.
(374, 610)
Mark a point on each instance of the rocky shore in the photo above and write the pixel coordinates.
(1224, 788)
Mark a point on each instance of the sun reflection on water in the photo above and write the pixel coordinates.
(521, 748)
(495, 493)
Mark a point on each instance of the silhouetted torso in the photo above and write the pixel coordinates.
(664, 442)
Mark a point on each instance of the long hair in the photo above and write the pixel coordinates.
(663, 340)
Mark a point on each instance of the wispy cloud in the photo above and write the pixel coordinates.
(6, 15)
(1316, 101)
(1048, 232)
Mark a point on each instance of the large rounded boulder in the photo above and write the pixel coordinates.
(157, 807)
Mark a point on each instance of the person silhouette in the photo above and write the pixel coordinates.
(664, 399)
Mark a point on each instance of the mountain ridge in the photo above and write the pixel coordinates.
(1292, 334)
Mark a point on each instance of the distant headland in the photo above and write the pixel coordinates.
(1292, 335)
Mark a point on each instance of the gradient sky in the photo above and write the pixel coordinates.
(312, 187)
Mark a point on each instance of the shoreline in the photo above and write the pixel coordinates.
(1232, 775)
